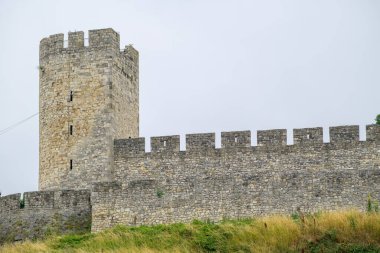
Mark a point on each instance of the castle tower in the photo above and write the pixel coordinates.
(89, 96)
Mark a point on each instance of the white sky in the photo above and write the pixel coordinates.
(205, 66)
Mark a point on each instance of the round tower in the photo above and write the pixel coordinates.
(89, 96)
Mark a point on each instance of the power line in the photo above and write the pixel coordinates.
(5, 130)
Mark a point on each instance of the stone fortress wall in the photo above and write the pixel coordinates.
(94, 171)
(44, 212)
(237, 180)
(167, 185)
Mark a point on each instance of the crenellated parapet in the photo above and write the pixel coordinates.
(101, 39)
(45, 200)
(266, 140)
(238, 180)
(33, 214)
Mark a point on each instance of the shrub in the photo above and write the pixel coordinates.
(160, 193)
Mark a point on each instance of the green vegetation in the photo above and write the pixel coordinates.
(377, 119)
(348, 231)
(372, 206)
(22, 202)
(160, 193)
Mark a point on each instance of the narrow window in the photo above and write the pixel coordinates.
(236, 140)
(164, 143)
(71, 96)
(71, 164)
(308, 136)
(71, 129)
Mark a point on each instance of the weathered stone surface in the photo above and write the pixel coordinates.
(89, 129)
(89, 96)
(43, 213)
(239, 180)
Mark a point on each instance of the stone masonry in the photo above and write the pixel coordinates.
(44, 212)
(89, 96)
(238, 180)
(94, 168)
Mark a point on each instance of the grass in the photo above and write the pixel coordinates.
(345, 231)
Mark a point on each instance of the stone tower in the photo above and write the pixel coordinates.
(89, 96)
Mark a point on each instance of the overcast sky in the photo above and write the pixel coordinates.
(205, 66)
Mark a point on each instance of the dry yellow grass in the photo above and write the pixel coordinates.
(345, 231)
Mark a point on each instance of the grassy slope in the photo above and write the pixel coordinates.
(348, 231)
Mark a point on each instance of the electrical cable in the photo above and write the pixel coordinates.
(5, 130)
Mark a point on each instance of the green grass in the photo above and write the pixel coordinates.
(348, 231)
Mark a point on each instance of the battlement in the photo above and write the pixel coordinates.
(131, 53)
(36, 213)
(308, 136)
(242, 139)
(236, 139)
(373, 133)
(76, 39)
(104, 38)
(99, 39)
(45, 200)
(165, 143)
(270, 138)
(200, 141)
(10, 202)
(42, 199)
(52, 44)
(131, 146)
(344, 134)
